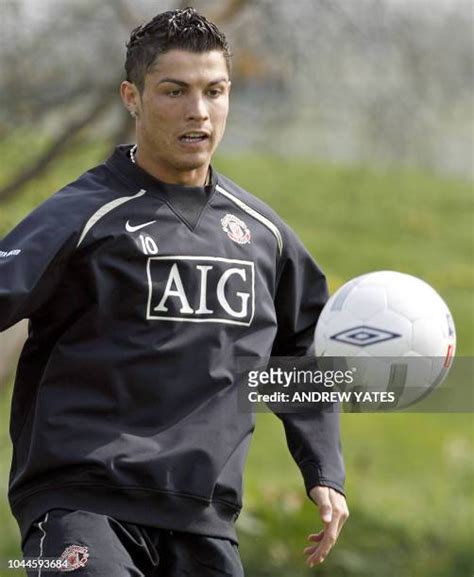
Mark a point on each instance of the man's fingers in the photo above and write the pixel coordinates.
(326, 544)
(327, 538)
(340, 524)
(342, 516)
(316, 536)
(334, 513)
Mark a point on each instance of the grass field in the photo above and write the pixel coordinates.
(410, 477)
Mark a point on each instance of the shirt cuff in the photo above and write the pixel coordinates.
(313, 476)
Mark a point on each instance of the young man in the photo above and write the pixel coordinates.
(144, 280)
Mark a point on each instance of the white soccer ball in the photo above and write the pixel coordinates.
(393, 329)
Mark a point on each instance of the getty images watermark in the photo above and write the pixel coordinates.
(294, 379)
(356, 384)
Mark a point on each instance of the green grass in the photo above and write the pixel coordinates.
(409, 490)
(79, 159)
(354, 220)
(410, 477)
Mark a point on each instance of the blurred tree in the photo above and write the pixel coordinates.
(60, 73)
(368, 81)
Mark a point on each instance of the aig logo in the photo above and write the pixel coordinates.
(201, 289)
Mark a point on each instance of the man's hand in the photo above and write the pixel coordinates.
(334, 513)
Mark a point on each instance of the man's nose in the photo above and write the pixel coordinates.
(197, 108)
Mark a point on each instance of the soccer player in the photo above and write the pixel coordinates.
(144, 281)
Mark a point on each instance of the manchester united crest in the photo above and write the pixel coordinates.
(236, 229)
(76, 557)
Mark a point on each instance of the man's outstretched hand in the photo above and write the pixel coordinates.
(334, 513)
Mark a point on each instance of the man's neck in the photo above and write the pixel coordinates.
(198, 177)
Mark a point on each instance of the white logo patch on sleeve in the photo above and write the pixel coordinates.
(6, 254)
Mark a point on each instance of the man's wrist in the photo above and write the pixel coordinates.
(314, 477)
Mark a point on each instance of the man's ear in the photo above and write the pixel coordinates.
(130, 97)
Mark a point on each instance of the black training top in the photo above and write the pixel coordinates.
(141, 296)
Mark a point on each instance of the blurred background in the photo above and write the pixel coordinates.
(354, 120)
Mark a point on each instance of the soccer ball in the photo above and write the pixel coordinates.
(393, 330)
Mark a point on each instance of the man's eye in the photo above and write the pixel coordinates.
(214, 92)
(175, 93)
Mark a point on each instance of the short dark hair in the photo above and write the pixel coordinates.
(182, 29)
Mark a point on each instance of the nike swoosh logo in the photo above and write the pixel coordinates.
(130, 228)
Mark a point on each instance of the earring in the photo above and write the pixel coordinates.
(132, 113)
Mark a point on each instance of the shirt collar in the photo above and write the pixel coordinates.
(120, 161)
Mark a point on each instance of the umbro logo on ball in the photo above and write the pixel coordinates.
(363, 336)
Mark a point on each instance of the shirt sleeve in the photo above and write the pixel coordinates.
(33, 257)
(313, 438)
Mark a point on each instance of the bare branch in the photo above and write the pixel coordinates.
(41, 105)
(56, 148)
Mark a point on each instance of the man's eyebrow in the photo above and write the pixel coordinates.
(218, 81)
(186, 84)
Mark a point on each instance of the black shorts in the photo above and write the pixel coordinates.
(93, 545)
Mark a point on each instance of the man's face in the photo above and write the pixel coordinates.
(182, 112)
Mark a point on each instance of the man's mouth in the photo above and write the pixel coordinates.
(194, 136)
